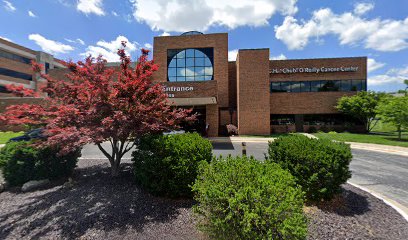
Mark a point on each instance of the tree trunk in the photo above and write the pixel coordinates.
(399, 132)
(115, 168)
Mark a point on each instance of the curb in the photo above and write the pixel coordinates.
(396, 206)
(399, 152)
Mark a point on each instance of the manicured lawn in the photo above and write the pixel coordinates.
(5, 136)
(377, 138)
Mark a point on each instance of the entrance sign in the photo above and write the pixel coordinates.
(169, 90)
(313, 70)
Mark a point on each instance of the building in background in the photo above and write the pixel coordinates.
(258, 95)
(15, 67)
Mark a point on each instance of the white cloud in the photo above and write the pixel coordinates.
(31, 14)
(381, 35)
(164, 34)
(115, 13)
(186, 15)
(9, 6)
(232, 55)
(109, 49)
(76, 41)
(394, 75)
(362, 8)
(279, 57)
(148, 46)
(50, 46)
(7, 39)
(90, 7)
(373, 65)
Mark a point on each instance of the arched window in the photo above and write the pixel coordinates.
(195, 64)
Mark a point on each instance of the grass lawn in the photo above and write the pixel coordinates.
(5, 136)
(389, 138)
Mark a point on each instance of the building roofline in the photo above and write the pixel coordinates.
(198, 35)
(12, 44)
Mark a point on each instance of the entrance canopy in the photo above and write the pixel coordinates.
(192, 101)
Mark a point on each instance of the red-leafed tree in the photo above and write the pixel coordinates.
(97, 104)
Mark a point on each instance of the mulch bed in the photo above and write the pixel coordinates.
(99, 207)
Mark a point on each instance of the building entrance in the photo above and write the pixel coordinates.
(199, 125)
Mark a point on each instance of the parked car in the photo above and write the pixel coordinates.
(33, 134)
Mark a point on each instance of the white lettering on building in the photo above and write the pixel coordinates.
(313, 70)
(170, 90)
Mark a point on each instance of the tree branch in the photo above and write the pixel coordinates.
(105, 153)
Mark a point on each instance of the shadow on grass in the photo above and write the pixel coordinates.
(96, 201)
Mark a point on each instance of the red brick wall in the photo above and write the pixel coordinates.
(305, 103)
(313, 102)
(253, 91)
(218, 86)
(212, 119)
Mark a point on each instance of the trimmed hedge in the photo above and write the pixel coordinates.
(242, 198)
(319, 165)
(21, 162)
(166, 165)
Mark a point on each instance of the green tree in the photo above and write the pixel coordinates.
(395, 111)
(406, 88)
(362, 106)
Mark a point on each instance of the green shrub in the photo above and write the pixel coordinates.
(167, 165)
(242, 198)
(320, 166)
(21, 162)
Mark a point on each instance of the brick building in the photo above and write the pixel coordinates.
(15, 67)
(258, 95)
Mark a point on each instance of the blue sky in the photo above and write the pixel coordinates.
(292, 29)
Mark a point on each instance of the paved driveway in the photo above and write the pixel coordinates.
(383, 173)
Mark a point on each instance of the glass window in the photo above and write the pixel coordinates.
(180, 79)
(329, 86)
(364, 85)
(208, 71)
(305, 86)
(181, 54)
(207, 62)
(181, 62)
(199, 62)
(172, 72)
(3, 89)
(190, 53)
(345, 85)
(198, 54)
(356, 85)
(173, 63)
(190, 72)
(199, 71)
(285, 86)
(275, 87)
(190, 64)
(294, 86)
(314, 86)
(14, 57)
(15, 74)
